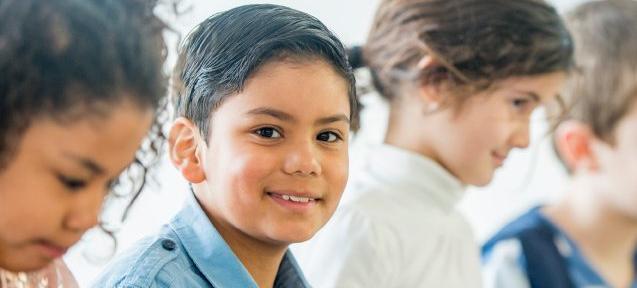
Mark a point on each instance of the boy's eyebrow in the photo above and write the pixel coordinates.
(274, 113)
(87, 163)
(283, 116)
(332, 119)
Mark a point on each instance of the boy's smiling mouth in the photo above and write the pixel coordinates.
(293, 198)
(295, 201)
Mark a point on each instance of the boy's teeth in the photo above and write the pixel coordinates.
(295, 198)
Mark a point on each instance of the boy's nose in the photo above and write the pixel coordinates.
(303, 160)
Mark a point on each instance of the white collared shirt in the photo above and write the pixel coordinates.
(396, 226)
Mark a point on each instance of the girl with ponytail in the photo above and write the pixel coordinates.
(461, 78)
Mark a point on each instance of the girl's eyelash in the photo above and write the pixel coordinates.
(523, 105)
(72, 183)
(520, 101)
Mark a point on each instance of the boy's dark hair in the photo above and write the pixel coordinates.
(67, 59)
(475, 42)
(225, 50)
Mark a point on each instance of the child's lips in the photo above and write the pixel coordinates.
(53, 250)
(499, 158)
(294, 194)
(294, 201)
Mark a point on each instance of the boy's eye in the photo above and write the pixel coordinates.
(268, 133)
(328, 137)
(73, 184)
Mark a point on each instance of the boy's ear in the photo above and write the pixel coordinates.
(430, 94)
(183, 148)
(574, 140)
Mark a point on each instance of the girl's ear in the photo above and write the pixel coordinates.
(183, 147)
(574, 140)
(430, 94)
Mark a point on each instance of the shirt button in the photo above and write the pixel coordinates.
(168, 245)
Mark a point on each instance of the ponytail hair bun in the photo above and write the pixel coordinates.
(355, 57)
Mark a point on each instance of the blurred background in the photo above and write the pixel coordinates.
(528, 177)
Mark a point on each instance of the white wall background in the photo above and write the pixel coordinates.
(528, 177)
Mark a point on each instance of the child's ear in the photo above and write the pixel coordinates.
(574, 140)
(183, 149)
(430, 90)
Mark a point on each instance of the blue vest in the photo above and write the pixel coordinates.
(545, 266)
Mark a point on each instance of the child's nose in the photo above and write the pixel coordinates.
(520, 137)
(303, 160)
(84, 212)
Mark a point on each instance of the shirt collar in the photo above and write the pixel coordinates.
(214, 258)
(412, 173)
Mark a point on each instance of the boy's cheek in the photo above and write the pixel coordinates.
(336, 176)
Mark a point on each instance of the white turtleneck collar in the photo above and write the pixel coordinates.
(409, 171)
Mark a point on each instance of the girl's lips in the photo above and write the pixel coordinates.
(52, 250)
(499, 159)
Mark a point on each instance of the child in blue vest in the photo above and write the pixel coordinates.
(265, 99)
(589, 238)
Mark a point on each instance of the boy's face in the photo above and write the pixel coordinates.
(277, 159)
(617, 166)
(53, 186)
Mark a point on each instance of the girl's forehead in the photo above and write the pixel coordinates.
(106, 138)
(542, 85)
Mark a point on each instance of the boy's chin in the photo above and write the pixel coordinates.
(298, 238)
(291, 237)
(626, 207)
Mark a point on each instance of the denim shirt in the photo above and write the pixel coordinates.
(189, 252)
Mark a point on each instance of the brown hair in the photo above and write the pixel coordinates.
(475, 42)
(604, 87)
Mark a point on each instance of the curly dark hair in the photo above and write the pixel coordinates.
(109, 51)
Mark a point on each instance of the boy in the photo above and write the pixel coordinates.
(265, 170)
